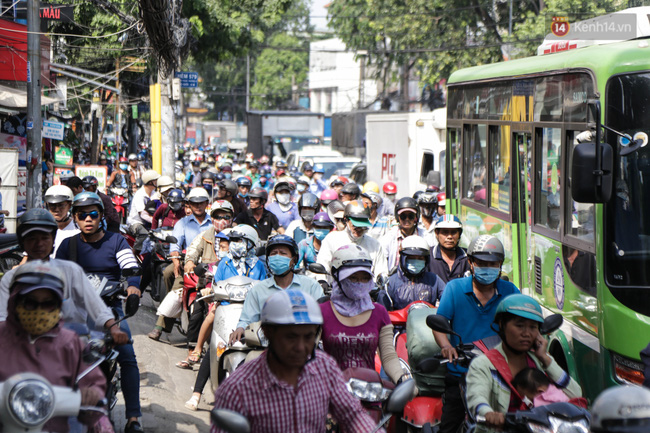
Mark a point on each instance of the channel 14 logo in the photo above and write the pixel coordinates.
(560, 26)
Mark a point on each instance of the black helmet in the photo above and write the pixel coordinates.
(175, 199)
(357, 209)
(417, 194)
(351, 188)
(89, 182)
(208, 175)
(229, 186)
(35, 218)
(407, 203)
(285, 240)
(259, 192)
(244, 181)
(281, 164)
(428, 202)
(309, 200)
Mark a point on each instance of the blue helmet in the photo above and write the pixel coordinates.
(87, 198)
(318, 168)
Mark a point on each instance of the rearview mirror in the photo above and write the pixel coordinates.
(551, 323)
(171, 240)
(401, 395)
(200, 269)
(587, 184)
(132, 305)
(230, 421)
(317, 268)
(439, 324)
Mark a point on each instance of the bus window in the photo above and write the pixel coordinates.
(427, 166)
(547, 197)
(500, 168)
(454, 146)
(548, 99)
(474, 167)
(579, 221)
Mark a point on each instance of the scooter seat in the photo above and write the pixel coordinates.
(8, 240)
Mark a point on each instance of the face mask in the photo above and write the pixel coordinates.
(208, 188)
(37, 322)
(227, 175)
(283, 198)
(279, 265)
(124, 167)
(243, 195)
(415, 266)
(220, 225)
(486, 275)
(222, 254)
(238, 249)
(321, 233)
(356, 291)
(301, 187)
(307, 215)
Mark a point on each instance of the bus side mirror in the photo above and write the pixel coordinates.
(589, 185)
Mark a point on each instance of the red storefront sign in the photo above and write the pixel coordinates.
(13, 53)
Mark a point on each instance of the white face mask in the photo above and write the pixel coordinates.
(283, 198)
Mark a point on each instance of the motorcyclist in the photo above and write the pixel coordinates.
(390, 193)
(34, 336)
(311, 383)
(448, 260)
(121, 176)
(442, 203)
(58, 200)
(244, 184)
(379, 224)
(208, 182)
(281, 259)
(327, 197)
(350, 191)
(264, 221)
(612, 411)
(35, 231)
(135, 168)
(357, 222)
(308, 248)
(90, 183)
(300, 229)
(228, 190)
(412, 281)
(370, 186)
(168, 214)
(241, 258)
(353, 326)
(337, 185)
(104, 255)
(407, 215)
(139, 220)
(517, 318)
(185, 231)
(283, 208)
(470, 304)
(427, 202)
(317, 185)
(302, 185)
(204, 248)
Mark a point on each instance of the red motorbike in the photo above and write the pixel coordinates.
(190, 293)
(120, 199)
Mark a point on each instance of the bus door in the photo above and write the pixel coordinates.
(522, 148)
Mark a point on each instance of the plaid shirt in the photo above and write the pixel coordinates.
(273, 406)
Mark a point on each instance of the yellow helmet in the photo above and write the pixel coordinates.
(371, 186)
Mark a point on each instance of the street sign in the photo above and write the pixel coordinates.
(53, 130)
(188, 79)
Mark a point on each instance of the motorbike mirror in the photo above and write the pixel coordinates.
(381, 280)
(428, 365)
(402, 394)
(439, 324)
(317, 268)
(230, 421)
(93, 351)
(131, 272)
(171, 240)
(323, 299)
(132, 305)
(201, 269)
(551, 323)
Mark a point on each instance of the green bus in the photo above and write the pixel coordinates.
(512, 130)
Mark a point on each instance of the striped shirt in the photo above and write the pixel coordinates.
(273, 406)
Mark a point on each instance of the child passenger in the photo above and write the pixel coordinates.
(536, 388)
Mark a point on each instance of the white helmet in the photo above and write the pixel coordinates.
(223, 205)
(349, 256)
(58, 194)
(150, 176)
(449, 221)
(291, 307)
(165, 183)
(621, 409)
(133, 157)
(198, 195)
(247, 232)
(415, 244)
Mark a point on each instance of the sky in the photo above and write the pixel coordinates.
(318, 16)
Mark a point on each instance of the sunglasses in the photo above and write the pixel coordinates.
(83, 215)
(222, 217)
(31, 305)
(56, 205)
(407, 216)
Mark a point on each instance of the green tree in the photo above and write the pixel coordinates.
(278, 70)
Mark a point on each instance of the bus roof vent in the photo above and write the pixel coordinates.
(619, 26)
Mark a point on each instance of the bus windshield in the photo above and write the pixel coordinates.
(627, 231)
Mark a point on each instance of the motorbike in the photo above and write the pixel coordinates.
(371, 390)
(229, 296)
(234, 422)
(10, 252)
(552, 418)
(120, 198)
(160, 240)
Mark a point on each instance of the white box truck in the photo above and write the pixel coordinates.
(406, 148)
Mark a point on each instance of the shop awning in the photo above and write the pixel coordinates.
(17, 98)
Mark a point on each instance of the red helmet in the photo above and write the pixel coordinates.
(390, 188)
(441, 197)
(343, 179)
(123, 159)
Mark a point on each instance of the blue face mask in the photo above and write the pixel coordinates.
(227, 175)
(243, 195)
(279, 265)
(415, 266)
(486, 275)
(321, 233)
(124, 166)
(208, 188)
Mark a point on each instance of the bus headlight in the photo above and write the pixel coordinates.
(31, 402)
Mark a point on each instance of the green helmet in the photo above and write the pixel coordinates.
(520, 305)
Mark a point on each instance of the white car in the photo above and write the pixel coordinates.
(333, 161)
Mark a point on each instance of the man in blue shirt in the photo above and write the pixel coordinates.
(470, 304)
(283, 208)
(185, 231)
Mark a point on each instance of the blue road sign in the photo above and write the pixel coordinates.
(188, 79)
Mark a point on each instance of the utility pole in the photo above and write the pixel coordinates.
(248, 82)
(168, 129)
(34, 121)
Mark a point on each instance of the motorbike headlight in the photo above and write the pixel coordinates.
(367, 391)
(237, 293)
(31, 401)
(559, 425)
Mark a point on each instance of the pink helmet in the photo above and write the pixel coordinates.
(328, 196)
